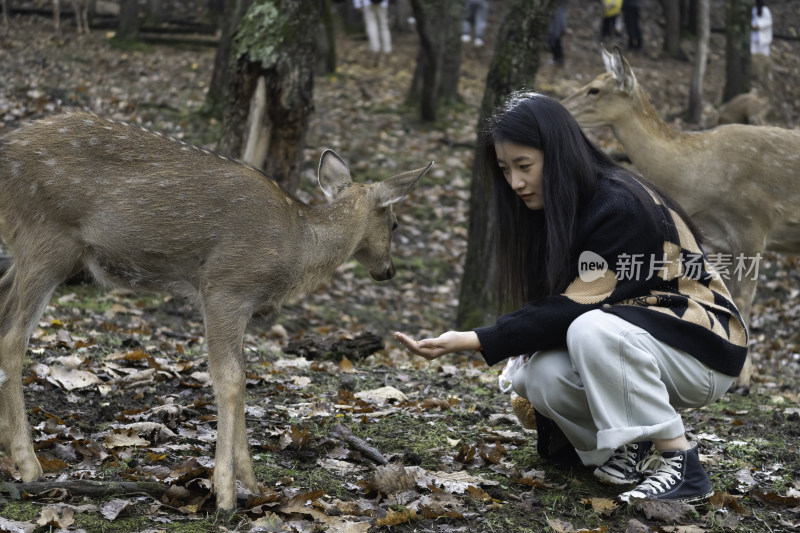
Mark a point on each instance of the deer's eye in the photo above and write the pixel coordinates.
(594, 90)
(394, 226)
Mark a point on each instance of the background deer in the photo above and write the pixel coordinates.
(739, 183)
(745, 108)
(79, 7)
(141, 210)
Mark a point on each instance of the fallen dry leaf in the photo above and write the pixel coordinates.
(396, 517)
(382, 395)
(601, 506)
(15, 526)
(665, 511)
(559, 526)
(56, 516)
(391, 479)
(111, 510)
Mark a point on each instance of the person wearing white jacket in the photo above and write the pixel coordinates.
(376, 19)
(761, 34)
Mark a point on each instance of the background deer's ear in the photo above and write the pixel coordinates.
(392, 190)
(333, 174)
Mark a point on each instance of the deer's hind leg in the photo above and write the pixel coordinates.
(25, 290)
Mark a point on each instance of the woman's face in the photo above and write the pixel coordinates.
(522, 167)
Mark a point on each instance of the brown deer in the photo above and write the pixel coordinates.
(739, 183)
(745, 108)
(144, 211)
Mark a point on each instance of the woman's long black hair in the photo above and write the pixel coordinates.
(536, 248)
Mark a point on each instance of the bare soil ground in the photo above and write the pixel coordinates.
(118, 386)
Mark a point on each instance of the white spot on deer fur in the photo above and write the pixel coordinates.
(63, 130)
(94, 141)
(75, 143)
(51, 162)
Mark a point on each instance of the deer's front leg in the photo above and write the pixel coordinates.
(225, 325)
(15, 433)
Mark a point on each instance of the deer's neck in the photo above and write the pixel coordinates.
(652, 144)
(333, 232)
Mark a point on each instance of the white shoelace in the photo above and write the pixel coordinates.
(664, 477)
(513, 364)
(623, 458)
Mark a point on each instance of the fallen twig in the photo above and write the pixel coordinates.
(366, 450)
(84, 487)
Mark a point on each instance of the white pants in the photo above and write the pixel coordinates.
(376, 19)
(614, 384)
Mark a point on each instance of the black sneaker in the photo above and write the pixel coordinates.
(679, 477)
(621, 467)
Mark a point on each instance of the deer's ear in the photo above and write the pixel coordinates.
(608, 61)
(618, 66)
(392, 190)
(333, 174)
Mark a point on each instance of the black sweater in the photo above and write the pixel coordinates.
(676, 296)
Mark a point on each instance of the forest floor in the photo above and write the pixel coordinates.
(117, 384)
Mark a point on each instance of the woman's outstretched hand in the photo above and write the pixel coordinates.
(452, 341)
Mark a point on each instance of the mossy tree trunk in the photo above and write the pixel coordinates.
(263, 83)
(521, 38)
(439, 60)
(737, 48)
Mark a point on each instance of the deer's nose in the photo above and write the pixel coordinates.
(386, 274)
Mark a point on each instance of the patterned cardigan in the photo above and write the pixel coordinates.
(650, 272)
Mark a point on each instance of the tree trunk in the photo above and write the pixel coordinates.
(521, 38)
(266, 91)
(439, 60)
(401, 13)
(224, 67)
(326, 40)
(672, 32)
(737, 48)
(128, 29)
(155, 11)
(700, 58)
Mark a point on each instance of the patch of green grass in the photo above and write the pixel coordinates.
(302, 475)
(22, 511)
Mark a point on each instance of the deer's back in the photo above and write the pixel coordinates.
(728, 156)
(144, 208)
(81, 170)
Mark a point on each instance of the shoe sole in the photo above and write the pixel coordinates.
(691, 500)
